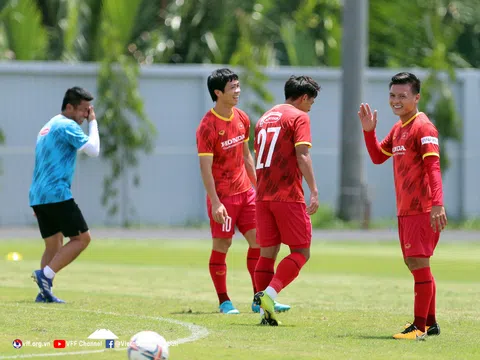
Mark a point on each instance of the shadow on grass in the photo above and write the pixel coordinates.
(190, 312)
(256, 324)
(367, 337)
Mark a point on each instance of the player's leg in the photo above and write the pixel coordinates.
(52, 245)
(221, 241)
(73, 225)
(50, 229)
(246, 225)
(418, 242)
(430, 244)
(268, 237)
(70, 251)
(431, 325)
(288, 270)
(296, 232)
(218, 272)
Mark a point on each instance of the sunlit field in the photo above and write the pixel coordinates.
(346, 304)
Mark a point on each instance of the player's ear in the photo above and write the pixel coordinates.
(218, 92)
(417, 98)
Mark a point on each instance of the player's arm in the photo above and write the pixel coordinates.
(432, 165)
(376, 150)
(75, 136)
(249, 164)
(219, 212)
(431, 158)
(305, 165)
(206, 162)
(205, 148)
(303, 141)
(92, 146)
(379, 153)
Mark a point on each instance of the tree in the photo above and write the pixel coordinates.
(122, 136)
(432, 44)
(90, 30)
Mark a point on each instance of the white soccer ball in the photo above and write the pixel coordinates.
(147, 345)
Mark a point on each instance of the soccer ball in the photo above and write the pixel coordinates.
(147, 345)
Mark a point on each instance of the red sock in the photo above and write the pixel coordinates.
(431, 319)
(287, 270)
(218, 272)
(252, 258)
(423, 296)
(264, 272)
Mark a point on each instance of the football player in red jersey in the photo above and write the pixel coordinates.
(228, 175)
(282, 142)
(413, 144)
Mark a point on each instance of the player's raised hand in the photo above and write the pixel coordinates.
(367, 118)
(91, 114)
(219, 213)
(313, 206)
(438, 218)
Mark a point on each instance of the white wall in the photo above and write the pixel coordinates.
(176, 98)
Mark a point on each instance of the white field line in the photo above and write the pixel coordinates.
(196, 333)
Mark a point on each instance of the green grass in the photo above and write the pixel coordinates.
(347, 302)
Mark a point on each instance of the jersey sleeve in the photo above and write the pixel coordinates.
(386, 145)
(427, 138)
(301, 134)
(246, 123)
(205, 139)
(75, 135)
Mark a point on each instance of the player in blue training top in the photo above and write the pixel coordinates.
(57, 213)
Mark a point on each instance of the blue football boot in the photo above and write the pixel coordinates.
(45, 286)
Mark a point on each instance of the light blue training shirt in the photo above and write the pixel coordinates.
(55, 158)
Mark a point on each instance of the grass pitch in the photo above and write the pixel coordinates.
(347, 302)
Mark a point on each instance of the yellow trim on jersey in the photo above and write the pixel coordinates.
(304, 143)
(221, 117)
(386, 152)
(430, 154)
(246, 139)
(205, 154)
(411, 119)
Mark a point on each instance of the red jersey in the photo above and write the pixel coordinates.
(277, 133)
(409, 144)
(223, 138)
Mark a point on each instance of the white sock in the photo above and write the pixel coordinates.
(49, 273)
(262, 312)
(271, 292)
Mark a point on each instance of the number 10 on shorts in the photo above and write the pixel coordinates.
(227, 226)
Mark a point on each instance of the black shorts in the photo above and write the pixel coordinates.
(64, 217)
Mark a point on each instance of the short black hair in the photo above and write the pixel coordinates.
(74, 96)
(297, 86)
(406, 78)
(218, 79)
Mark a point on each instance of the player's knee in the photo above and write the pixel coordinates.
(54, 242)
(304, 251)
(221, 245)
(414, 263)
(86, 239)
(306, 255)
(83, 239)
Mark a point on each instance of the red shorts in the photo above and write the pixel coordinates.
(281, 222)
(241, 213)
(417, 237)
